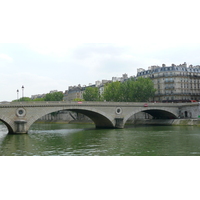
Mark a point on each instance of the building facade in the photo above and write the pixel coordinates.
(73, 92)
(175, 83)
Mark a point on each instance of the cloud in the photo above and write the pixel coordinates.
(99, 61)
(6, 57)
(57, 69)
(102, 21)
(55, 49)
(84, 41)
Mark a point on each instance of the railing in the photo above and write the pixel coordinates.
(169, 87)
(169, 81)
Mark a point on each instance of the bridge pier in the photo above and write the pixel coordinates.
(20, 127)
(119, 122)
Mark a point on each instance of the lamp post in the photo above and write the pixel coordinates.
(18, 95)
(22, 91)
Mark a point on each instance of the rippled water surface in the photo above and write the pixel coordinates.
(85, 140)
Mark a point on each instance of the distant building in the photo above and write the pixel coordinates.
(73, 92)
(52, 91)
(175, 83)
(37, 96)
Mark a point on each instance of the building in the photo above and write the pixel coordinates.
(175, 83)
(38, 96)
(120, 79)
(73, 92)
(76, 92)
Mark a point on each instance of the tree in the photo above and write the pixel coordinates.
(112, 91)
(144, 89)
(132, 90)
(91, 94)
(55, 96)
(127, 89)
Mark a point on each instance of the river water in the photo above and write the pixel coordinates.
(85, 140)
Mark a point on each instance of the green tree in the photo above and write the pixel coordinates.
(113, 92)
(144, 89)
(91, 94)
(127, 90)
(132, 90)
(55, 96)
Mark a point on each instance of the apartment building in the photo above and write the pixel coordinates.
(175, 83)
(73, 92)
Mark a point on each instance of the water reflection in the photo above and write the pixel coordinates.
(71, 139)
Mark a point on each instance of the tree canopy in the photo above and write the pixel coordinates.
(112, 92)
(132, 90)
(91, 94)
(55, 96)
(23, 99)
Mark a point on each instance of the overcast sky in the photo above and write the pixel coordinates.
(51, 45)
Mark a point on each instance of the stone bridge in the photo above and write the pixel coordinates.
(19, 116)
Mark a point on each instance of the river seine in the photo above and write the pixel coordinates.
(85, 140)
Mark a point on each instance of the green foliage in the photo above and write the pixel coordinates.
(127, 91)
(144, 89)
(91, 94)
(56, 96)
(28, 99)
(140, 90)
(112, 91)
(78, 99)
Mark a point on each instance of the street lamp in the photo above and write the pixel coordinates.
(22, 91)
(17, 94)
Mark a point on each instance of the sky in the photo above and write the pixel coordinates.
(51, 45)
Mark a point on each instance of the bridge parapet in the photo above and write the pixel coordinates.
(93, 103)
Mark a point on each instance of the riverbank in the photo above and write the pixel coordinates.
(173, 122)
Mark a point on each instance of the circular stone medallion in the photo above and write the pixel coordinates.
(118, 110)
(21, 112)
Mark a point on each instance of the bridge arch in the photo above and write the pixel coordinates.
(155, 113)
(100, 119)
(8, 125)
